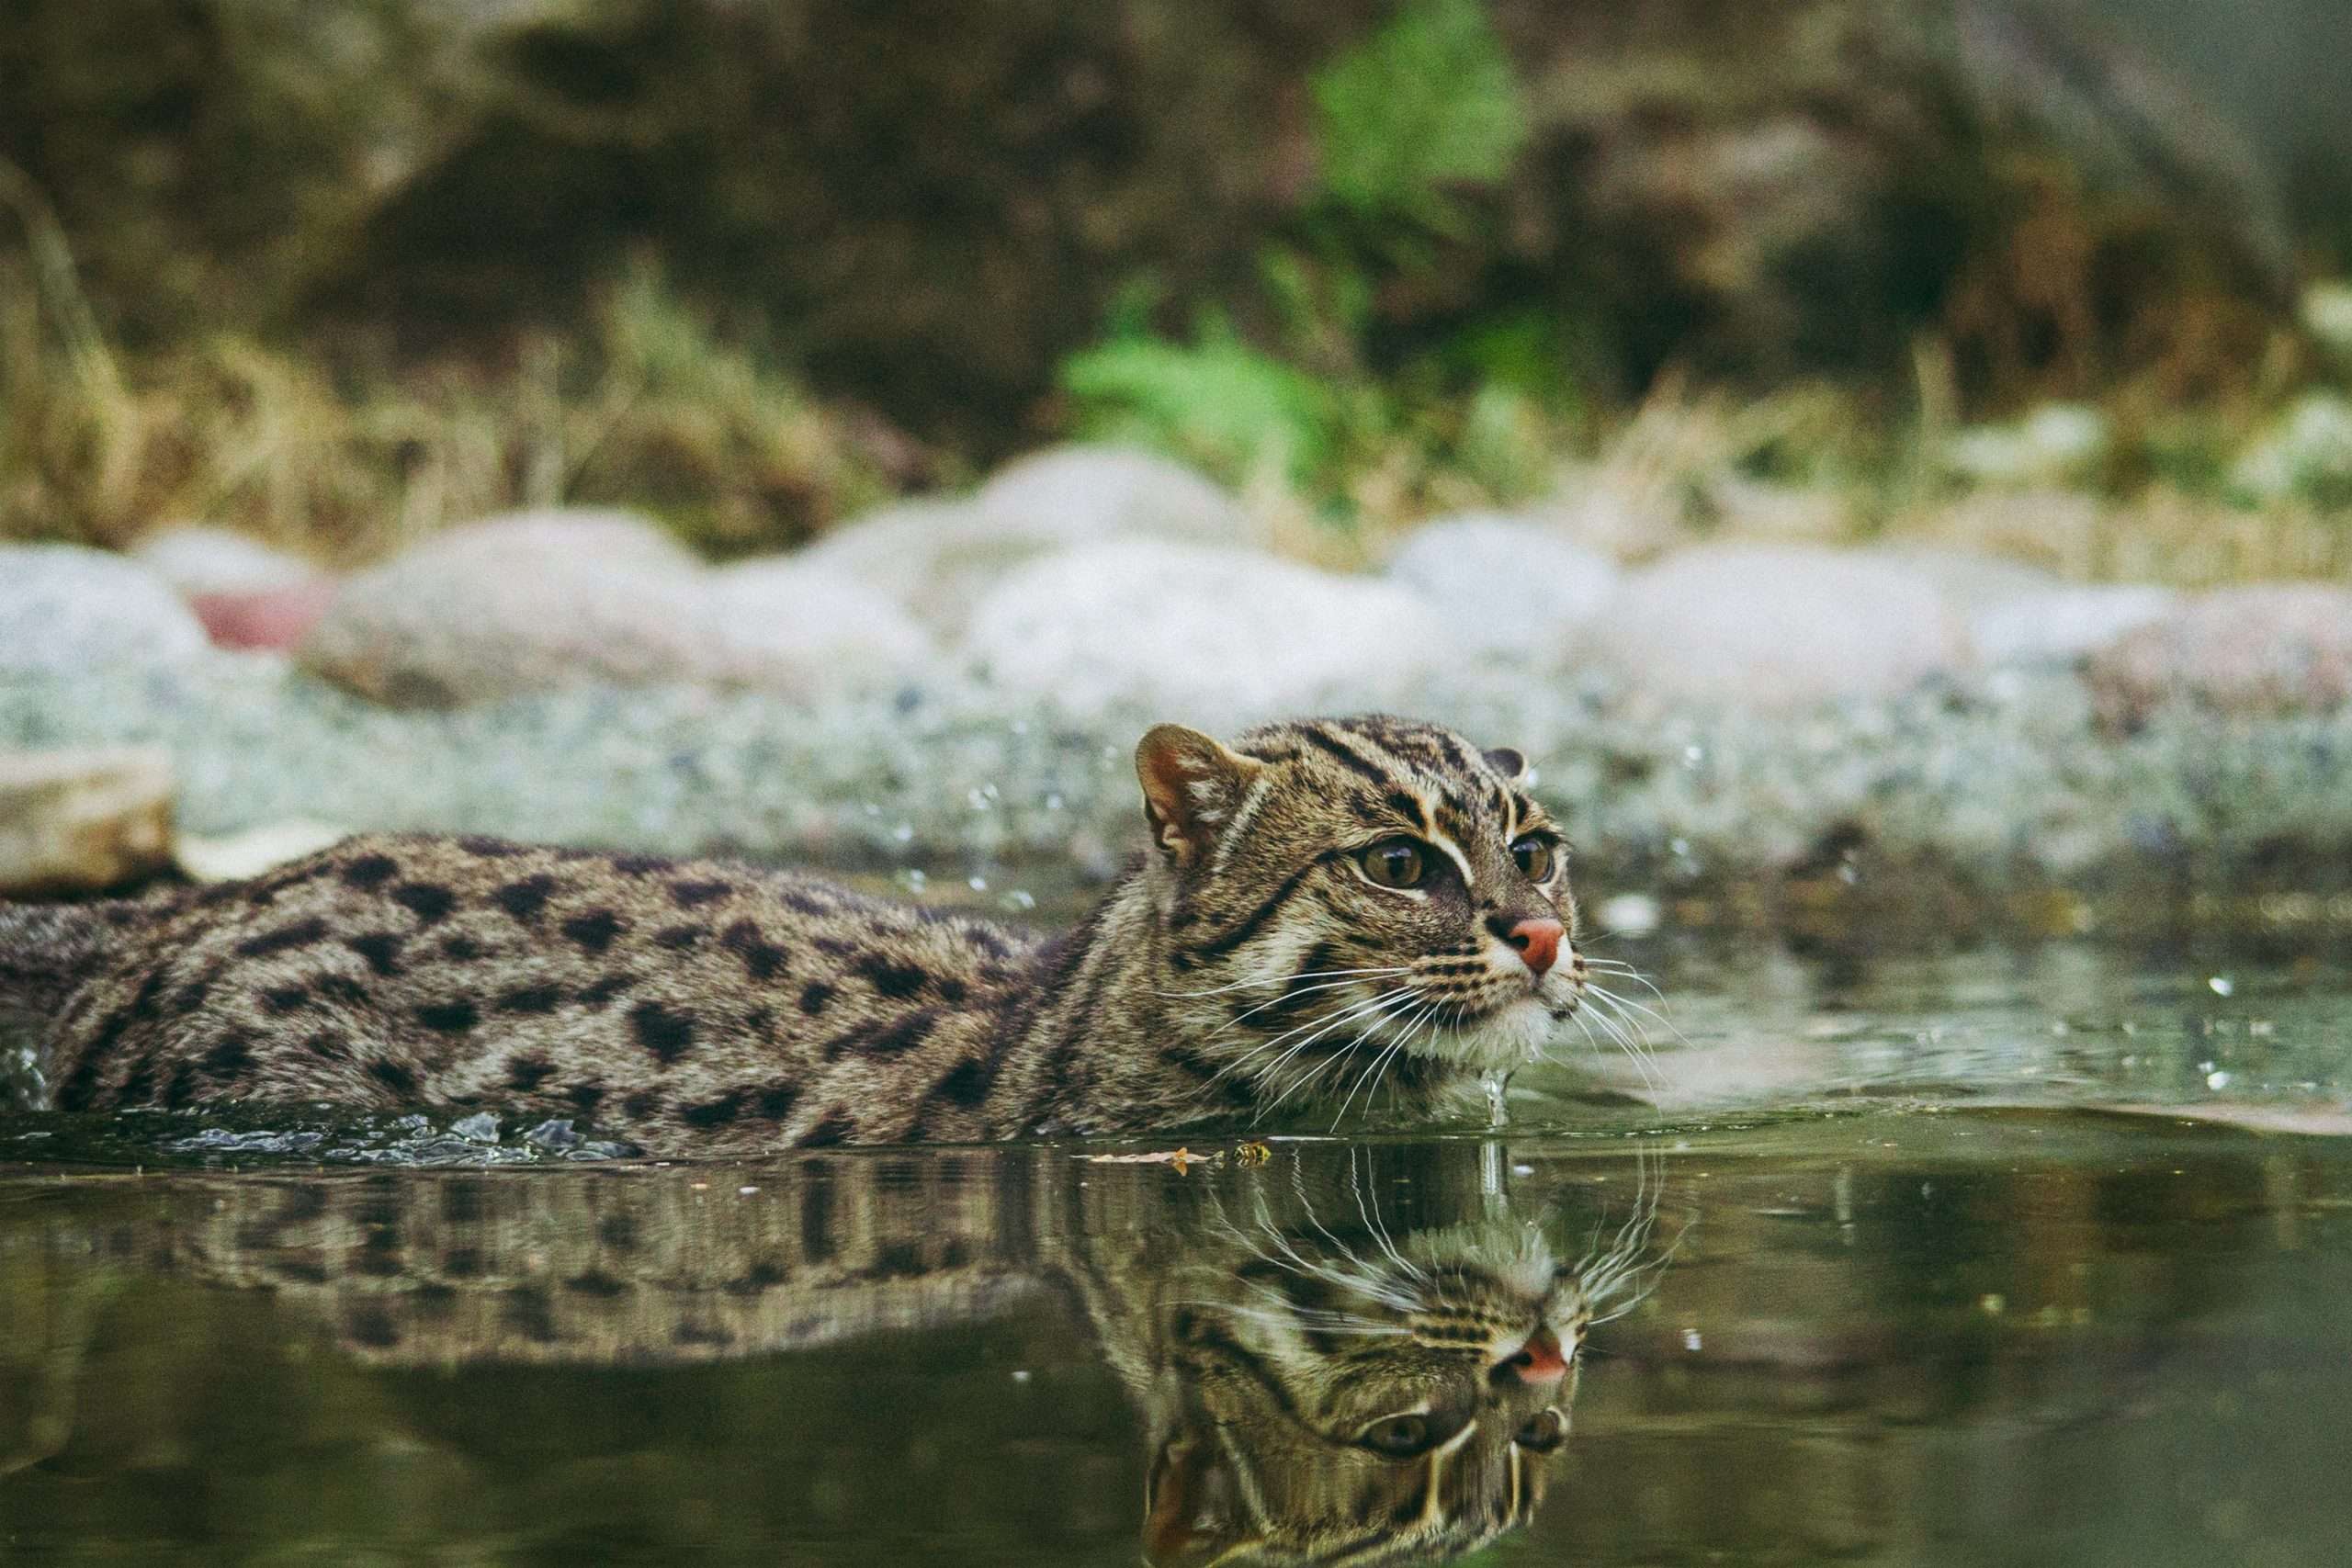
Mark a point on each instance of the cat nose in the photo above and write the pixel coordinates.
(1535, 939)
(1537, 1362)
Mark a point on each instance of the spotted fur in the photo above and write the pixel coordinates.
(1246, 966)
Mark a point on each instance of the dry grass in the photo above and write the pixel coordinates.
(651, 408)
(648, 409)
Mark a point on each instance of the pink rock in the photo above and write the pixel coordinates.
(2265, 648)
(264, 617)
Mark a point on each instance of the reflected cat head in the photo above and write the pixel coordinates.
(1315, 1380)
(1350, 1397)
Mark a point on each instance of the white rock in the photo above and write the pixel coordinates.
(1970, 581)
(66, 608)
(2065, 623)
(1081, 494)
(2263, 648)
(1777, 627)
(83, 821)
(1203, 635)
(937, 558)
(523, 603)
(933, 556)
(196, 560)
(792, 623)
(1503, 585)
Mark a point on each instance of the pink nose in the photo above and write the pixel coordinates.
(1538, 942)
(1539, 1360)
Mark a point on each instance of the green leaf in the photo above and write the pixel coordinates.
(1217, 402)
(1427, 102)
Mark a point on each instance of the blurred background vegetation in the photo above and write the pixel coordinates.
(338, 275)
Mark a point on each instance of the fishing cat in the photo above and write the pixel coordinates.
(1349, 1355)
(1327, 908)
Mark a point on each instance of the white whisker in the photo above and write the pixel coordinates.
(1263, 980)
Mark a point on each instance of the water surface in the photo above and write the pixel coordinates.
(1990, 1258)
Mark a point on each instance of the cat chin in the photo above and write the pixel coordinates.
(1500, 1039)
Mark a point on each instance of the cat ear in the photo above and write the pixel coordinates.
(1191, 785)
(1192, 1505)
(1511, 764)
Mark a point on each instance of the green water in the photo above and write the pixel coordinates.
(2022, 1257)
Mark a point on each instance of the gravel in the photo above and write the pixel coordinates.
(2005, 777)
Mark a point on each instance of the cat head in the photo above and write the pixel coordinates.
(1356, 1401)
(1358, 903)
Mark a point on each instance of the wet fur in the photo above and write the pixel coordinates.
(1242, 966)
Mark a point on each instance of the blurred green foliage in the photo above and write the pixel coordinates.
(334, 275)
(1427, 102)
(1410, 124)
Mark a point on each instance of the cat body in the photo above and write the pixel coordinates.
(1329, 909)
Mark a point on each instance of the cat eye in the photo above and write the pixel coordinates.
(1545, 1432)
(1536, 855)
(1399, 1437)
(1394, 862)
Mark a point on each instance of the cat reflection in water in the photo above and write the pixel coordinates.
(1316, 1380)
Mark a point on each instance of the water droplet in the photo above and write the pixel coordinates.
(2221, 985)
(976, 884)
(481, 1127)
(1691, 1342)
(2217, 1081)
